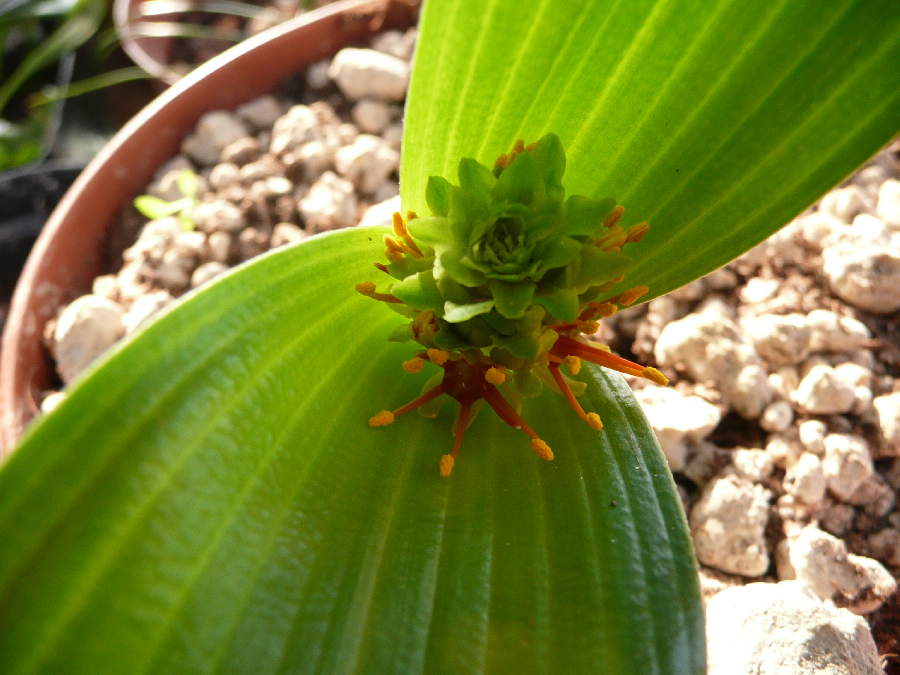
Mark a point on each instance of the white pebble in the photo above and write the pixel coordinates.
(777, 416)
(822, 392)
(847, 463)
(144, 308)
(366, 73)
(805, 479)
(85, 329)
(261, 112)
(206, 272)
(822, 563)
(371, 116)
(887, 415)
(367, 162)
(51, 401)
(330, 203)
(812, 436)
(783, 628)
(728, 526)
(217, 215)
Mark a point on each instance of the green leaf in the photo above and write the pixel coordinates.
(437, 195)
(717, 121)
(563, 304)
(454, 313)
(584, 216)
(79, 25)
(451, 264)
(255, 523)
(154, 207)
(188, 183)
(14, 11)
(521, 181)
(596, 267)
(475, 179)
(512, 299)
(22, 143)
(419, 291)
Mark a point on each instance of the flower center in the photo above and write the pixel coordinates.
(502, 244)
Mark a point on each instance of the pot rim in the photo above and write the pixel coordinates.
(68, 252)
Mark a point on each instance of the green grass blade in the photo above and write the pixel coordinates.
(77, 28)
(716, 121)
(211, 499)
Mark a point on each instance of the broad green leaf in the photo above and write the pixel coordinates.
(211, 499)
(717, 121)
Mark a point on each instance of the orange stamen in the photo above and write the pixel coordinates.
(614, 217)
(614, 238)
(401, 231)
(432, 393)
(367, 288)
(381, 418)
(598, 310)
(566, 346)
(654, 375)
(593, 419)
(414, 365)
(636, 233)
(506, 413)
(459, 431)
(631, 296)
(393, 244)
(494, 375)
(437, 356)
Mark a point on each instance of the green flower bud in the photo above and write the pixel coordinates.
(502, 279)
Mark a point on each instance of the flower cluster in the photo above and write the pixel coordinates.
(502, 283)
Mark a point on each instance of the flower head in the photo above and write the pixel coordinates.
(502, 281)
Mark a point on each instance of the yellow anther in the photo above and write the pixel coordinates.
(414, 365)
(541, 448)
(632, 294)
(654, 375)
(393, 244)
(573, 363)
(636, 233)
(599, 345)
(589, 327)
(381, 419)
(392, 255)
(408, 245)
(614, 238)
(411, 215)
(606, 309)
(594, 421)
(365, 287)
(447, 462)
(437, 356)
(614, 217)
(495, 376)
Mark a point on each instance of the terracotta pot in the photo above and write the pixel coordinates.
(152, 54)
(70, 251)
